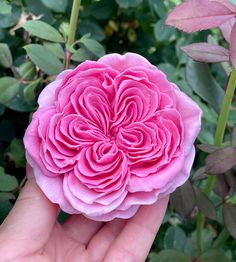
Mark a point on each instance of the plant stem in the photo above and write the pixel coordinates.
(72, 31)
(219, 135)
(200, 224)
(73, 22)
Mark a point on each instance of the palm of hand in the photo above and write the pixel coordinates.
(31, 233)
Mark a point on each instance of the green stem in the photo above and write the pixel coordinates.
(223, 117)
(73, 22)
(200, 225)
(219, 135)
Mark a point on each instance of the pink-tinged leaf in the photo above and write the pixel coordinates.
(233, 46)
(227, 27)
(204, 52)
(226, 3)
(205, 205)
(196, 15)
(183, 200)
(221, 161)
(229, 215)
(221, 187)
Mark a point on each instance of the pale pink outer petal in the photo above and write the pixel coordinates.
(32, 141)
(232, 48)
(123, 62)
(227, 27)
(124, 214)
(52, 187)
(46, 97)
(191, 115)
(182, 176)
(196, 15)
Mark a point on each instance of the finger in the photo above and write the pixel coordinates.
(81, 228)
(31, 219)
(135, 240)
(102, 241)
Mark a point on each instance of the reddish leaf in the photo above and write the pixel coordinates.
(221, 187)
(208, 53)
(229, 215)
(230, 178)
(233, 46)
(226, 3)
(221, 161)
(205, 205)
(207, 148)
(196, 15)
(227, 27)
(183, 199)
(200, 174)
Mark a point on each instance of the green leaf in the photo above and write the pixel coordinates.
(213, 256)
(159, 7)
(7, 182)
(163, 33)
(170, 255)
(88, 26)
(104, 9)
(2, 109)
(38, 8)
(27, 70)
(10, 20)
(29, 90)
(44, 59)
(6, 196)
(81, 55)
(9, 87)
(169, 70)
(202, 82)
(5, 56)
(56, 49)
(93, 46)
(5, 9)
(56, 5)
(17, 152)
(128, 3)
(18, 102)
(206, 135)
(229, 214)
(175, 238)
(43, 30)
(5, 208)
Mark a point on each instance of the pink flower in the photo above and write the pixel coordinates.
(110, 136)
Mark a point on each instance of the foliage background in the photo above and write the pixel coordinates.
(109, 26)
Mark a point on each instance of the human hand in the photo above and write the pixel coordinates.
(31, 233)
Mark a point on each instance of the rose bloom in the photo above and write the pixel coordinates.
(111, 135)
